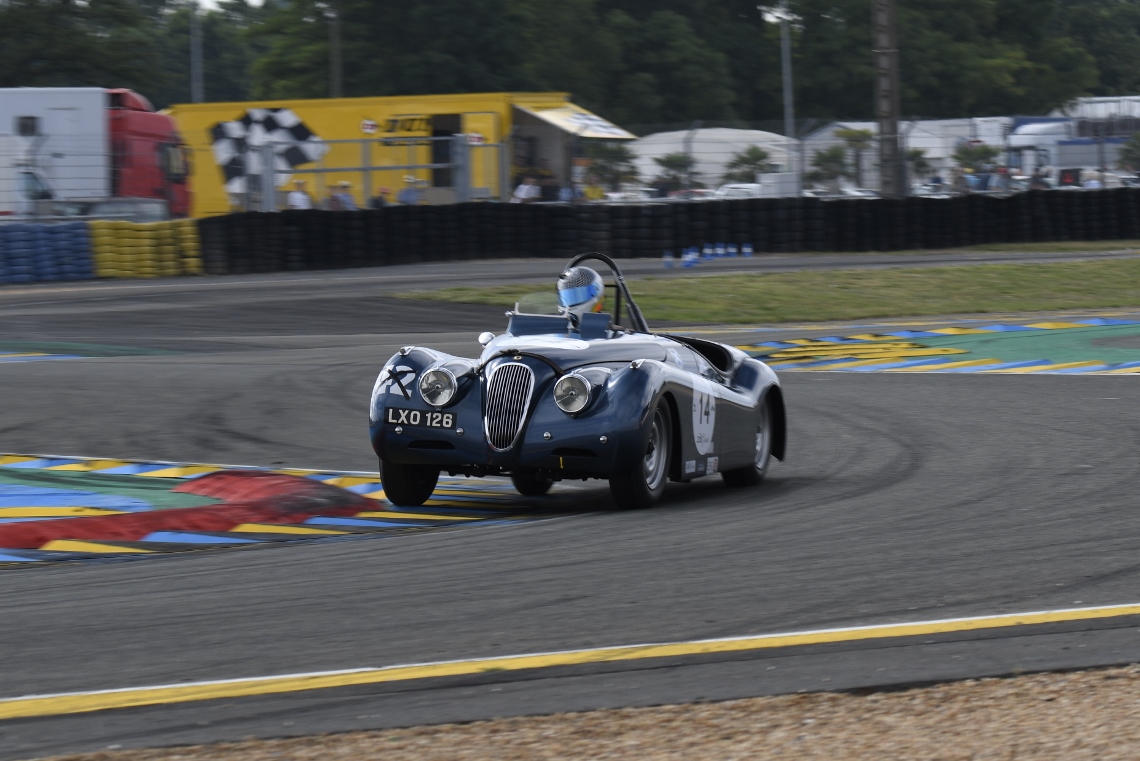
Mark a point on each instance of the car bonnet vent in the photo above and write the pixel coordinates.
(509, 389)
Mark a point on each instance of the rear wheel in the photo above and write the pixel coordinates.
(754, 474)
(408, 485)
(530, 484)
(644, 485)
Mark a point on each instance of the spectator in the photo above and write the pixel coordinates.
(332, 201)
(569, 193)
(936, 180)
(999, 180)
(1037, 181)
(1093, 183)
(410, 194)
(298, 197)
(344, 195)
(527, 192)
(380, 200)
(594, 191)
(959, 181)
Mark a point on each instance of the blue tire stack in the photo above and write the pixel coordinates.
(73, 247)
(19, 253)
(45, 256)
(4, 246)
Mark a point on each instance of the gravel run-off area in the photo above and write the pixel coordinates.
(1071, 716)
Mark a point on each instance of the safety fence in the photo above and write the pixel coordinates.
(301, 240)
(32, 253)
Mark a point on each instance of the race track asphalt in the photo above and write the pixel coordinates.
(904, 498)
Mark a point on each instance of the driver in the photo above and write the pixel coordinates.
(580, 290)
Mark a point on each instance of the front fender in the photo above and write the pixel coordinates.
(618, 413)
(396, 386)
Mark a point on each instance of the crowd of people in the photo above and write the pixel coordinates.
(339, 197)
(1000, 179)
(531, 190)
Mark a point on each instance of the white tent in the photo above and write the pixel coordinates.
(937, 138)
(712, 149)
(1115, 106)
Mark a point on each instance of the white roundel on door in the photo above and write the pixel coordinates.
(704, 415)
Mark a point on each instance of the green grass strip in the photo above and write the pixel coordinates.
(856, 294)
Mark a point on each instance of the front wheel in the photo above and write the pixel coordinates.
(530, 484)
(754, 473)
(644, 485)
(408, 485)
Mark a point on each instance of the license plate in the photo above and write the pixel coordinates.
(398, 416)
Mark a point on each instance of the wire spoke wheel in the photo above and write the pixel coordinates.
(653, 467)
(642, 486)
(754, 474)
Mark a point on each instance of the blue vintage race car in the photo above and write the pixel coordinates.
(569, 396)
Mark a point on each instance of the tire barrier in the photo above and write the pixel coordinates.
(35, 253)
(145, 249)
(305, 240)
(256, 242)
(31, 253)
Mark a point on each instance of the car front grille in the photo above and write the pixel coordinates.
(508, 396)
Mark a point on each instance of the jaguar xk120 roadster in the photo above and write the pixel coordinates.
(573, 392)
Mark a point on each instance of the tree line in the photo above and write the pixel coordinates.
(635, 62)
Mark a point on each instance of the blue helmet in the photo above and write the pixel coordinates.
(581, 290)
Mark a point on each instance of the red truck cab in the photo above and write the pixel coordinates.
(148, 157)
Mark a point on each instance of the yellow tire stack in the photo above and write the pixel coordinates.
(150, 249)
(128, 249)
(105, 247)
(189, 247)
(166, 256)
(144, 262)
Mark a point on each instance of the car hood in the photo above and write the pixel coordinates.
(568, 352)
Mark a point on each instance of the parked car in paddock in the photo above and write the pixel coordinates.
(573, 392)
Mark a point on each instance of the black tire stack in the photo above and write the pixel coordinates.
(250, 242)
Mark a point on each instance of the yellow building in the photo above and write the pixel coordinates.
(373, 143)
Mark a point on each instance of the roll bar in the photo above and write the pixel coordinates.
(639, 325)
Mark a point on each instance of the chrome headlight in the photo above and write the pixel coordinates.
(437, 386)
(572, 393)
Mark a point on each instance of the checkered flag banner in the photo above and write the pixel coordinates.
(237, 144)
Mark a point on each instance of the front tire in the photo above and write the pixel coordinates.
(408, 485)
(530, 484)
(643, 486)
(754, 474)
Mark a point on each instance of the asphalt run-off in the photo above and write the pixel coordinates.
(100, 700)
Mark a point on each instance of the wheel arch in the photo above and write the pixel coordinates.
(778, 416)
(676, 450)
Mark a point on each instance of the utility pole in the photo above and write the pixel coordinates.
(336, 67)
(197, 88)
(688, 148)
(780, 14)
(887, 97)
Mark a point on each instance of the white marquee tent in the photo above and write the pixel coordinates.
(712, 149)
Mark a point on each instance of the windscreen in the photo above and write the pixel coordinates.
(539, 302)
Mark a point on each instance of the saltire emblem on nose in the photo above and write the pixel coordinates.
(395, 380)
